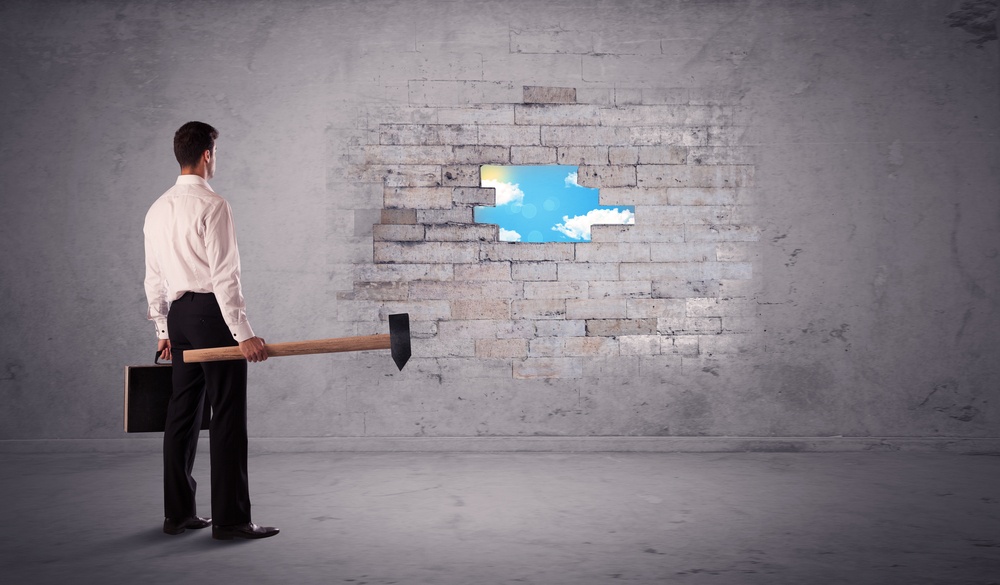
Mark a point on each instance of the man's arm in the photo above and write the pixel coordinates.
(224, 264)
(156, 298)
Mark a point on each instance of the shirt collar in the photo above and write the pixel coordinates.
(193, 180)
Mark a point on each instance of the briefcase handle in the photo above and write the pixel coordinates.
(156, 360)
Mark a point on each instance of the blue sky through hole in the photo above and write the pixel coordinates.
(545, 204)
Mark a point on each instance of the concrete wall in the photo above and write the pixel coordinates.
(815, 250)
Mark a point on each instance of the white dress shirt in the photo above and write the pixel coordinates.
(191, 246)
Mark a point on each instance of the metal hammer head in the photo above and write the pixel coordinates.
(399, 338)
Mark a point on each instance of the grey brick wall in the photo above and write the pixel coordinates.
(650, 289)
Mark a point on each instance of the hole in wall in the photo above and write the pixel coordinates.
(545, 203)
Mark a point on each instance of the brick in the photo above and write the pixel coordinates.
(432, 290)
(687, 214)
(417, 197)
(407, 155)
(695, 176)
(461, 369)
(427, 134)
(666, 115)
(553, 251)
(655, 271)
(689, 326)
(418, 310)
(487, 271)
(703, 196)
(595, 309)
(518, 329)
(510, 135)
(588, 271)
(532, 155)
(474, 196)
(617, 327)
(487, 309)
(726, 135)
(467, 328)
(721, 307)
(561, 328)
(380, 291)
(555, 290)
(558, 115)
(586, 136)
(683, 289)
(590, 346)
(490, 114)
(629, 289)
(399, 216)
(501, 348)
(538, 309)
(612, 252)
(394, 114)
(721, 233)
(545, 347)
(403, 272)
(719, 155)
(444, 347)
(548, 368)
(440, 216)
(728, 270)
(682, 252)
(636, 233)
(402, 175)
(461, 176)
(632, 196)
(607, 176)
(425, 252)
(481, 155)
(655, 308)
(583, 155)
(462, 233)
(639, 345)
(682, 346)
(533, 271)
(398, 233)
(661, 154)
(549, 95)
(473, 93)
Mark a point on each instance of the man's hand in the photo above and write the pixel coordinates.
(163, 348)
(253, 349)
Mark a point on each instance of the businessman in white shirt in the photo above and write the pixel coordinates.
(193, 289)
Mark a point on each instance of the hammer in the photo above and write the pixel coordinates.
(397, 341)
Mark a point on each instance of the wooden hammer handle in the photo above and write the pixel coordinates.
(337, 344)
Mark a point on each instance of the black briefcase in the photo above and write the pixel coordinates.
(147, 392)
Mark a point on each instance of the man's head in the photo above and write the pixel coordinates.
(194, 146)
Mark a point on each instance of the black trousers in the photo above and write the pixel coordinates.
(195, 322)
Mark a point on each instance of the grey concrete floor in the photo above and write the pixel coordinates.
(546, 518)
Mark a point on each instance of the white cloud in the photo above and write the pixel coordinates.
(578, 227)
(506, 192)
(571, 180)
(509, 236)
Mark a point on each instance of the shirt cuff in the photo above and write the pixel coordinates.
(241, 331)
(161, 329)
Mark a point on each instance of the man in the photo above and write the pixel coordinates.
(193, 289)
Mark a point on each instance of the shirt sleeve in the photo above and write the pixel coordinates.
(224, 266)
(156, 289)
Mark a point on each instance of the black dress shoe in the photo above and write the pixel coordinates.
(249, 530)
(171, 526)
